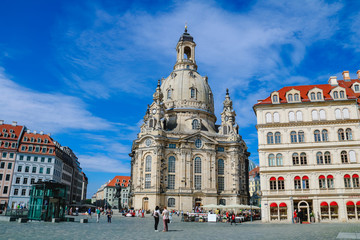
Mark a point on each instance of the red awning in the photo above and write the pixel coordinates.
(324, 204)
(322, 177)
(333, 204)
(358, 203)
(297, 178)
(330, 177)
(347, 176)
(350, 203)
(305, 178)
(273, 205)
(281, 178)
(273, 179)
(282, 204)
(355, 176)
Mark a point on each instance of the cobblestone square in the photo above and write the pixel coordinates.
(142, 228)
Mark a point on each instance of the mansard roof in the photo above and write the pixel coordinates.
(326, 88)
(119, 179)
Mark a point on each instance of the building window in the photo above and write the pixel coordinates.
(336, 95)
(42, 159)
(272, 183)
(357, 89)
(171, 202)
(48, 170)
(19, 168)
(348, 134)
(281, 183)
(49, 160)
(330, 181)
(221, 186)
(327, 158)
(147, 180)
(220, 149)
(317, 137)
(41, 170)
(347, 181)
(314, 115)
(324, 134)
(28, 158)
(7, 177)
(148, 163)
(169, 94)
(355, 179)
(198, 143)
(303, 160)
(27, 169)
(279, 159)
(197, 165)
(270, 138)
(171, 164)
(342, 94)
(222, 202)
(322, 114)
(295, 158)
(34, 170)
(290, 98)
(319, 96)
(193, 93)
(277, 138)
(291, 116)
(319, 158)
(296, 97)
(221, 167)
(23, 192)
(293, 137)
(305, 182)
(2, 165)
(301, 136)
(32, 181)
(9, 165)
(17, 180)
(275, 98)
(197, 182)
(271, 159)
(21, 157)
(341, 134)
(1, 177)
(4, 154)
(171, 181)
(195, 124)
(5, 191)
(337, 113)
(344, 157)
(25, 180)
(322, 183)
(172, 145)
(268, 117)
(312, 96)
(299, 116)
(16, 191)
(297, 183)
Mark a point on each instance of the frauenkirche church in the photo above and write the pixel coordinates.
(181, 158)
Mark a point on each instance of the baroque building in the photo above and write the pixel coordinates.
(309, 155)
(181, 159)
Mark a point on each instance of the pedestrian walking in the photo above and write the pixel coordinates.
(295, 216)
(156, 215)
(89, 212)
(109, 214)
(170, 217)
(300, 215)
(98, 212)
(165, 215)
(142, 213)
(233, 218)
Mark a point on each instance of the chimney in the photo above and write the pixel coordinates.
(1, 122)
(346, 75)
(333, 81)
(34, 132)
(41, 132)
(14, 123)
(358, 74)
(28, 131)
(49, 134)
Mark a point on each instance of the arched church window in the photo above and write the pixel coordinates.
(197, 165)
(195, 124)
(225, 131)
(221, 167)
(171, 202)
(193, 93)
(148, 164)
(187, 53)
(169, 94)
(198, 143)
(171, 165)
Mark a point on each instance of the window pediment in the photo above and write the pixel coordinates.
(293, 96)
(356, 87)
(275, 99)
(338, 93)
(316, 94)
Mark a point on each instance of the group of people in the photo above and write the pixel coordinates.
(298, 216)
(165, 216)
(100, 211)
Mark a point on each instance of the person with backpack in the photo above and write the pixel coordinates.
(156, 215)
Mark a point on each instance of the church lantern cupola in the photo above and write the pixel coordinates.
(185, 52)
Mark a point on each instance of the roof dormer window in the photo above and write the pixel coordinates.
(296, 97)
(275, 98)
(39, 140)
(356, 88)
(319, 96)
(336, 95)
(11, 130)
(290, 98)
(312, 96)
(342, 94)
(32, 139)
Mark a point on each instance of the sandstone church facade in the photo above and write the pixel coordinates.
(181, 159)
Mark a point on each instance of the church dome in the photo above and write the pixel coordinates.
(187, 89)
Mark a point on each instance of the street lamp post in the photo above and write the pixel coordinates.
(292, 209)
(251, 202)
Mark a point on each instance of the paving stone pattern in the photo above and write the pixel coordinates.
(142, 228)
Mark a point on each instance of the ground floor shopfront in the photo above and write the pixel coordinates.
(315, 209)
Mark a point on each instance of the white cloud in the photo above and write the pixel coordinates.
(51, 112)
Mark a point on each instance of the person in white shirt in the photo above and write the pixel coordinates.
(165, 215)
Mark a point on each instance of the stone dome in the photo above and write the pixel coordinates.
(187, 89)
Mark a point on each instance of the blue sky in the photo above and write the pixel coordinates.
(86, 70)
